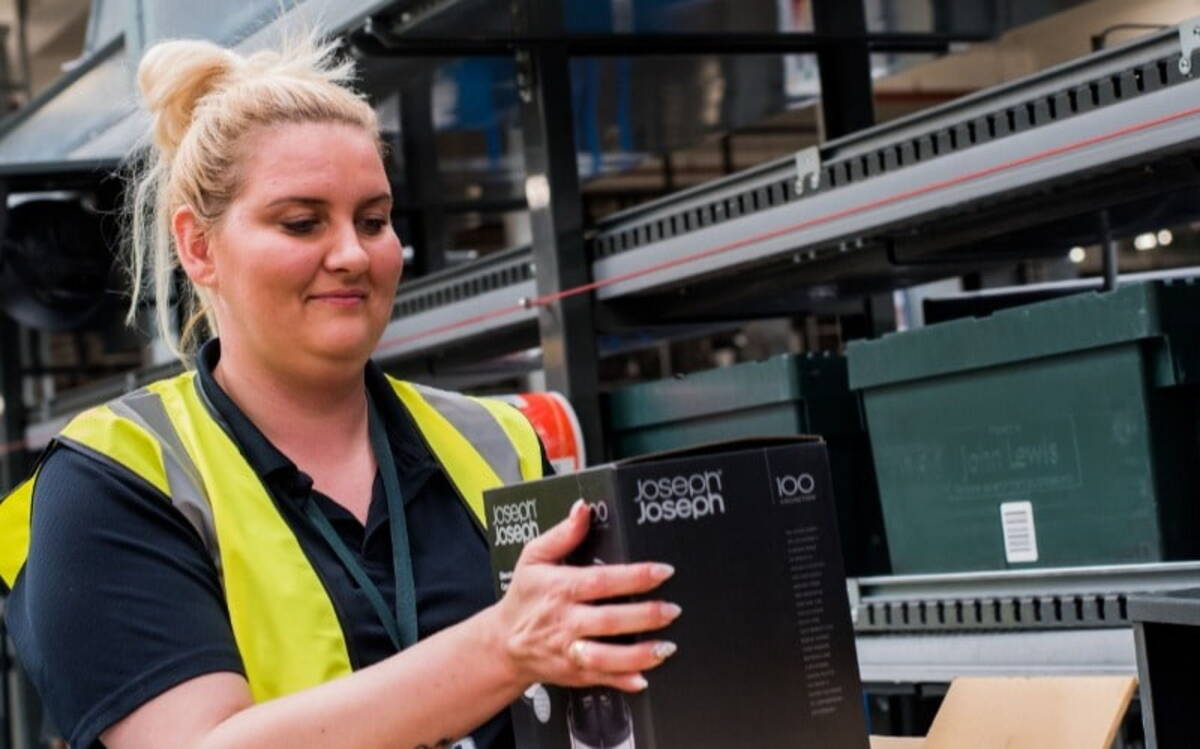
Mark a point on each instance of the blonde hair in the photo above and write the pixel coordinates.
(204, 100)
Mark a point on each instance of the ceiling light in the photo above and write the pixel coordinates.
(1143, 242)
(1077, 255)
(1165, 237)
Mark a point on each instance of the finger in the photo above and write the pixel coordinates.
(623, 618)
(633, 683)
(603, 657)
(560, 540)
(612, 580)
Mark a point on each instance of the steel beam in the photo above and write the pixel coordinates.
(847, 102)
(422, 174)
(942, 658)
(658, 45)
(556, 217)
(1108, 245)
(13, 418)
(12, 450)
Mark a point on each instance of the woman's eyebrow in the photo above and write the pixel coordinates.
(302, 199)
(383, 197)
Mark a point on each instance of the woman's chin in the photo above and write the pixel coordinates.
(344, 347)
(345, 340)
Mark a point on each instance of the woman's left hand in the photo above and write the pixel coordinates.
(546, 621)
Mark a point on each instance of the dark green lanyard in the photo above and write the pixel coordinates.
(401, 627)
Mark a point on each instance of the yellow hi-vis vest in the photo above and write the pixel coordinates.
(283, 620)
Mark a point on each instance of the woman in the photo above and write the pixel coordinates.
(281, 547)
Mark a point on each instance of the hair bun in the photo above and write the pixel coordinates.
(173, 77)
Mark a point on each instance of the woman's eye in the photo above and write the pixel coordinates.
(373, 225)
(300, 226)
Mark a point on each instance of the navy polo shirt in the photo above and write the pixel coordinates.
(119, 601)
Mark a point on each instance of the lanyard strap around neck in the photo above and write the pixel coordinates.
(402, 626)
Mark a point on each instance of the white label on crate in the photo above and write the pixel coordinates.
(1020, 535)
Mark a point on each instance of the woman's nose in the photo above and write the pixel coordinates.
(347, 254)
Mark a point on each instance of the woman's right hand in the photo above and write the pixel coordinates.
(545, 620)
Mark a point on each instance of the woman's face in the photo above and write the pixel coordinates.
(304, 264)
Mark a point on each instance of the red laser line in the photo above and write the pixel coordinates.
(547, 299)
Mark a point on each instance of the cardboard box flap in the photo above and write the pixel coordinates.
(1025, 713)
(1032, 713)
(724, 446)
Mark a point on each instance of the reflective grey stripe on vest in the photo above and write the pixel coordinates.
(145, 408)
(479, 426)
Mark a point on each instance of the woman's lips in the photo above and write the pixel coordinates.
(341, 299)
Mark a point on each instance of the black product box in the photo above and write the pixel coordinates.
(766, 647)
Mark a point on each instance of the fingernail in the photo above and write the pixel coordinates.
(672, 610)
(664, 649)
(640, 683)
(661, 571)
(575, 508)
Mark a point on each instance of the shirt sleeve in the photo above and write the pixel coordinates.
(118, 600)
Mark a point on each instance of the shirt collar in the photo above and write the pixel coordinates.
(408, 448)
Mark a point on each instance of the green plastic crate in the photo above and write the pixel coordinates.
(1056, 434)
(783, 395)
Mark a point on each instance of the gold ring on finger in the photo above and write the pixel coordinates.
(575, 651)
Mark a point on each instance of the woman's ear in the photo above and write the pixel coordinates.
(195, 252)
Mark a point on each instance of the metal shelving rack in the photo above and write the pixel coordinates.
(1069, 621)
(875, 210)
(946, 191)
(864, 213)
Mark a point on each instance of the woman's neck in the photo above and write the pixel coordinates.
(305, 417)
